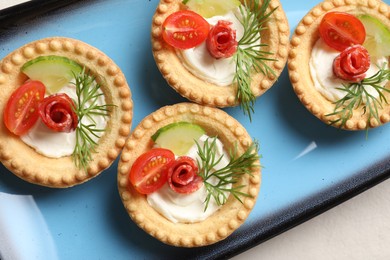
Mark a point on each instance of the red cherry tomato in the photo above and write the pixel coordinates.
(21, 111)
(183, 175)
(148, 172)
(185, 29)
(57, 112)
(341, 30)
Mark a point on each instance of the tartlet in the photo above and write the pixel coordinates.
(183, 81)
(305, 36)
(224, 221)
(33, 167)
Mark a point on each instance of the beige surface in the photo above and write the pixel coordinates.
(357, 229)
(7, 3)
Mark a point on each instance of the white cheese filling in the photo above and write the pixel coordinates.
(58, 144)
(188, 208)
(321, 70)
(199, 61)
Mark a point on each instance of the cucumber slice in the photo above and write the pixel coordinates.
(210, 8)
(53, 71)
(178, 137)
(377, 36)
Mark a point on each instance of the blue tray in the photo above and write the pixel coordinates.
(308, 166)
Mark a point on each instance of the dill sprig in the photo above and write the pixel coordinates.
(249, 55)
(87, 106)
(226, 177)
(357, 95)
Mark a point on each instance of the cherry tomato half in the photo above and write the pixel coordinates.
(148, 172)
(185, 29)
(21, 111)
(341, 30)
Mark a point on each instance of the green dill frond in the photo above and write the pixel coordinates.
(250, 55)
(88, 94)
(357, 96)
(225, 179)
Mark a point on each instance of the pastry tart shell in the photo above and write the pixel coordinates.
(276, 36)
(220, 224)
(305, 36)
(35, 168)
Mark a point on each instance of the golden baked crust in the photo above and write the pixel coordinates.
(223, 222)
(31, 166)
(302, 41)
(197, 90)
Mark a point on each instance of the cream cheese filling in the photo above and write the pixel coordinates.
(200, 63)
(58, 144)
(321, 71)
(188, 208)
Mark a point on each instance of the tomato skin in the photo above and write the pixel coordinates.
(21, 111)
(341, 30)
(185, 29)
(183, 175)
(148, 172)
(57, 112)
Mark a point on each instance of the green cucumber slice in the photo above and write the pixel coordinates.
(178, 137)
(53, 71)
(210, 8)
(377, 36)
